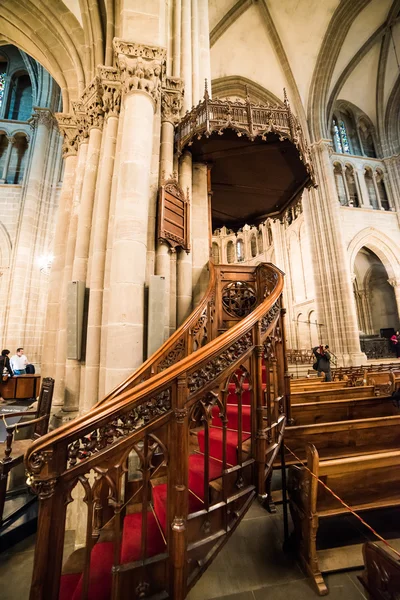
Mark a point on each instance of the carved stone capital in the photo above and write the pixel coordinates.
(394, 282)
(68, 126)
(171, 99)
(81, 120)
(111, 84)
(11, 139)
(42, 116)
(141, 67)
(92, 100)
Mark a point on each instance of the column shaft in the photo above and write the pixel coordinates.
(184, 263)
(200, 231)
(128, 264)
(98, 257)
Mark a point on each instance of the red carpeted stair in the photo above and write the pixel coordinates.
(102, 555)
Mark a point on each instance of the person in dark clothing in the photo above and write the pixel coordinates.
(323, 359)
(5, 368)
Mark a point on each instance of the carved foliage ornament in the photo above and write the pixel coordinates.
(270, 317)
(171, 99)
(68, 126)
(119, 427)
(211, 370)
(176, 353)
(42, 116)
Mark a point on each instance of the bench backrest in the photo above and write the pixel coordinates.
(332, 394)
(348, 437)
(308, 413)
(361, 481)
(383, 381)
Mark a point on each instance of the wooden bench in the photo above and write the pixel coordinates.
(344, 438)
(311, 385)
(364, 482)
(381, 576)
(13, 451)
(332, 394)
(309, 413)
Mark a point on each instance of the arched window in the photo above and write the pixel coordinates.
(337, 141)
(3, 72)
(260, 242)
(18, 157)
(240, 250)
(369, 182)
(352, 186)
(344, 133)
(215, 253)
(230, 252)
(380, 184)
(20, 98)
(340, 187)
(366, 137)
(253, 246)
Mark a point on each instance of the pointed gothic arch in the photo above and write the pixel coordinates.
(381, 245)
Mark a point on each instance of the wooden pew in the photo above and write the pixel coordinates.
(381, 576)
(364, 482)
(332, 394)
(312, 385)
(344, 438)
(309, 413)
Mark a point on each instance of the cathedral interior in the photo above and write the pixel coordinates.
(200, 257)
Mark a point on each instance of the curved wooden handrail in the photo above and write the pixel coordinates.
(169, 344)
(103, 413)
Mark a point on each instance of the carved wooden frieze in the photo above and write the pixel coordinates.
(173, 216)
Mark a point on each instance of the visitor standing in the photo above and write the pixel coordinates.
(19, 362)
(323, 361)
(395, 339)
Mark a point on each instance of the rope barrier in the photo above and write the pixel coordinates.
(375, 533)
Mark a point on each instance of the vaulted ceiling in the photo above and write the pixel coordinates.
(320, 51)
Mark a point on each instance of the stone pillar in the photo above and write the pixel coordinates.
(11, 142)
(186, 54)
(365, 201)
(184, 259)
(334, 296)
(392, 165)
(68, 126)
(140, 67)
(80, 263)
(98, 252)
(204, 48)
(173, 292)
(200, 231)
(35, 191)
(61, 344)
(378, 196)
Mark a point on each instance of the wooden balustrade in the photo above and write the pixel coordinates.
(171, 462)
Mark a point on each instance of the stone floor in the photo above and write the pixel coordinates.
(251, 566)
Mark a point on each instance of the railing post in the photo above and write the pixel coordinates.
(178, 490)
(49, 541)
(288, 405)
(259, 402)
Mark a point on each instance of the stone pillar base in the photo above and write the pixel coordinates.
(352, 360)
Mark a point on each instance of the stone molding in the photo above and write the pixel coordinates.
(171, 99)
(111, 86)
(68, 126)
(42, 116)
(141, 67)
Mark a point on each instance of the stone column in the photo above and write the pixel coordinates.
(61, 344)
(334, 296)
(68, 127)
(140, 67)
(184, 259)
(11, 142)
(173, 293)
(365, 201)
(378, 196)
(200, 231)
(111, 98)
(392, 165)
(35, 190)
(204, 48)
(94, 113)
(186, 54)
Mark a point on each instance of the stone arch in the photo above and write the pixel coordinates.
(5, 248)
(238, 86)
(381, 245)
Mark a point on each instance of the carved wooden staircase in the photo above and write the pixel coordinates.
(164, 468)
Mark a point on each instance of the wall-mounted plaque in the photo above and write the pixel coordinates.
(173, 216)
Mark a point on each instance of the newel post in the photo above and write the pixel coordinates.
(259, 397)
(178, 490)
(49, 540)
